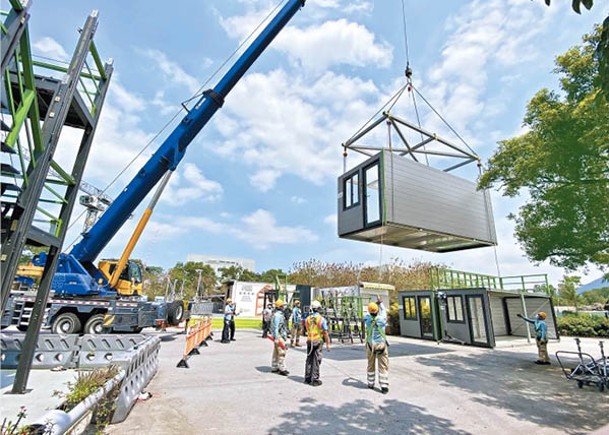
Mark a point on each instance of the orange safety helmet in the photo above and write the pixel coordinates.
(542, 315)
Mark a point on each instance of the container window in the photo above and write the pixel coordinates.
(410, 308)
(351, 190)
(455, 309)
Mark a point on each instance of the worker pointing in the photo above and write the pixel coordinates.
(541, 338)
(377, 347)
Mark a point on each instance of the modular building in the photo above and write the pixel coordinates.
(473, 316)
(392, 200)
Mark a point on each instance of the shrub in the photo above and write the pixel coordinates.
(87, 383)
(393, 319)
(583, 325)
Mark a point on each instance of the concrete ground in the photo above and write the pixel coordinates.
(434, 389)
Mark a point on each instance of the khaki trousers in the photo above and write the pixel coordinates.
(542, 350)
(378, 353)
(278, 362)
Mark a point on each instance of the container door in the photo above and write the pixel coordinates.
(372, 195)
(478, 327)
(425, 316)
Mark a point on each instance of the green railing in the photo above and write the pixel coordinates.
(443, 278)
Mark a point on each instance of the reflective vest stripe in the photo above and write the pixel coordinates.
(314, 328)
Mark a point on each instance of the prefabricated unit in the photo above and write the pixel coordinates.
(364, 292)
(392, 200)
(476, 317)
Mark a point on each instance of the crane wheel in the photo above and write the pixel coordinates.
(175, 312)
(66, 323)
(95, 324)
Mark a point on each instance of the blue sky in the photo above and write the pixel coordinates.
(260, 180)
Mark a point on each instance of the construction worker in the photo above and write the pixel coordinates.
(377, 347)
(296, 319)
(279, 331)
(541, 338)
(267, 316)
(228, 331)
(317, 329)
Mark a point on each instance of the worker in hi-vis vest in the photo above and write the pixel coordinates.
(317, 329)
(279, 331)
(377, 346)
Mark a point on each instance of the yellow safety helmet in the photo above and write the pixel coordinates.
(229, 300)
(296, 302)
(542, 315)
(279, 303)
(373, 308)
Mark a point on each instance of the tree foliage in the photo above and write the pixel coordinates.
(415, 276)
(567, 291)
(577, 4)
(184, 278)
(562, 163)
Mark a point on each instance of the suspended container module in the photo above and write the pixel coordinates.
(393, 200)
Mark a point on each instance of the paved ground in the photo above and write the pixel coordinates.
(434, 389)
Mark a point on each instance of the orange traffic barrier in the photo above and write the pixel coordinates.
(196, 335)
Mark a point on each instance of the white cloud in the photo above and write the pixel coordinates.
(50, 48)
(298, 200)
(173, 73)
(263, 180)
(275, 124)
(331, 219)
(189, 185)
(483, 35)
(259, 229)
(320, 46)
(333, 43)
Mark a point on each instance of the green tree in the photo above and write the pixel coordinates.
(154, 279)
(567, 291)
(562, 163)
(596, 296)
(186, 277)
(237, 273)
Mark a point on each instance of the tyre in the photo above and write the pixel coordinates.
(601, 386)
(22, 328)
(580, 384)
(66, 323)
(175, 312)
(95, 324)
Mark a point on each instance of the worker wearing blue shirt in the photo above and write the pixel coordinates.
(279, 331)
(376, 346)
(296, 325)
(541, 337)
(228, 331)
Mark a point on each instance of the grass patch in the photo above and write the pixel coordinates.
(240, 323)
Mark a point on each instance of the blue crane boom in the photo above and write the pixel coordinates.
(171, 152)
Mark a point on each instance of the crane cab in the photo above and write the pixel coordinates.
(130, 280)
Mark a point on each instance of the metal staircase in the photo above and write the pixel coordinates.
(37, 194)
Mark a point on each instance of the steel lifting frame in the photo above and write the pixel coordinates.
(28, 97)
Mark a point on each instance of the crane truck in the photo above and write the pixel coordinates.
(103, 297)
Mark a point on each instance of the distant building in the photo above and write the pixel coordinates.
(217, 262)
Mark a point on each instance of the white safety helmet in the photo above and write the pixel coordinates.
(315, 305)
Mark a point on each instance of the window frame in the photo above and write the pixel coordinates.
(412, 308)
(451, 307)
(351, 196)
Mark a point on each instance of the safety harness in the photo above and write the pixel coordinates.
(370, 331)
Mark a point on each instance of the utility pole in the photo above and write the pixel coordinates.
(197, 298)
